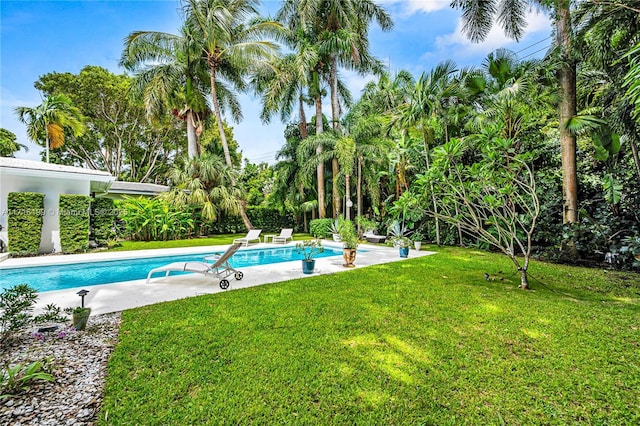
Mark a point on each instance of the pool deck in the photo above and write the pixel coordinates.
(115, 297)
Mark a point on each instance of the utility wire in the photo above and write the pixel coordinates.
(534, 44)
(537, 51)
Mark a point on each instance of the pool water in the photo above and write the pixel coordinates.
(60, 277)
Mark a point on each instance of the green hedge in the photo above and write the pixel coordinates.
(267, 219)
(102, 220)
(320, 228)
(24, 221)
(74, 222)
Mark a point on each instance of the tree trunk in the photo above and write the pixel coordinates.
(303, 121)
(636, 157)
(359, 187)
(335, 124)
(225, 146)
(347, 195)
(322, 212)
(433, 197)
(567, 110)
(192, 144)
(46, 142)
(524, 281)
(335, 190)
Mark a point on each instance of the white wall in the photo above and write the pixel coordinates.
(51, 188)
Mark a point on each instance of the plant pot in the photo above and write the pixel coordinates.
(80, 319)
(418, 245)
(336, 237)
(349, 256)
(308, 266)
(404, 251)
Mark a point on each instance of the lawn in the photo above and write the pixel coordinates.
(423, 341)
(194, 242)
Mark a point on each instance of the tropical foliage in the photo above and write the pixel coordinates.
(573, 115)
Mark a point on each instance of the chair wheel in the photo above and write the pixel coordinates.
(224, 284)
(239, 275)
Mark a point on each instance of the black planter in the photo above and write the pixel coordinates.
(308, 266)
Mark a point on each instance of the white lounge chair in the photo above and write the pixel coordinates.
(220, 268)
(252, 235)
(284, 237)
(371, 237)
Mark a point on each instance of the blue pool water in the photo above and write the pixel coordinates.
(59, 277)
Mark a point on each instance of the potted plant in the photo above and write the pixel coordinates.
(335, 230)
(350, 241)
(80, 316)
(417, 238)
(399, 238)
(309, 249)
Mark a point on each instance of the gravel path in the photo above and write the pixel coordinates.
(78, 365)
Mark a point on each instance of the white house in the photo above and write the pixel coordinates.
(51, 180)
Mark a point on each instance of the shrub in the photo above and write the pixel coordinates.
(25, 222)
(269, 219)
(153, 219)
(102, 220)
(74, 222)
(16, 304)
(320, 228)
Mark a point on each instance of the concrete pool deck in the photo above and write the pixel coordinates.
(105, 298)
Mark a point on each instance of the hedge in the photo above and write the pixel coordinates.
(24, 221)
(321, 228)
(74, 222)
(102, 220)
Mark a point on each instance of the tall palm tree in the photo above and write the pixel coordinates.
(231, 41)
(170, 73)
(342, 29)
(295, 79)
(50, 119)
(479, 16)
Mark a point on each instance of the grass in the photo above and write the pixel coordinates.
(423, 341)
(194, 242)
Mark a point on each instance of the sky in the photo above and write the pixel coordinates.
(40, 37)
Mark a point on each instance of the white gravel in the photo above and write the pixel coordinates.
(78, 365)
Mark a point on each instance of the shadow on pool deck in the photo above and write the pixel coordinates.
(106, 298)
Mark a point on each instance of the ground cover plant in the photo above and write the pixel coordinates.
(445, 339)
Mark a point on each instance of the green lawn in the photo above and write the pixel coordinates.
(194, 242)
(424, 341)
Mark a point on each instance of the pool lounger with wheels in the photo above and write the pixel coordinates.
(220, 268)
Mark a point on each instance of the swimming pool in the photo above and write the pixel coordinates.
(60, 277)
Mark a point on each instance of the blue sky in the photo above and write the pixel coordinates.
(39, 37)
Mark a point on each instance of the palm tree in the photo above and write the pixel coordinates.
(424, 103)
(50, 119)
(231, 41)
(169, 74)
(342, 28)
(295, 79)
(205, 182)
(479, 16)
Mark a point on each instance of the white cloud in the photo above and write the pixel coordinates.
(410, 7)
(458, 44)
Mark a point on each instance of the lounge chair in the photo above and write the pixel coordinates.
(371, 237)
(252, 235)
(220, 268)
(284, 237)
